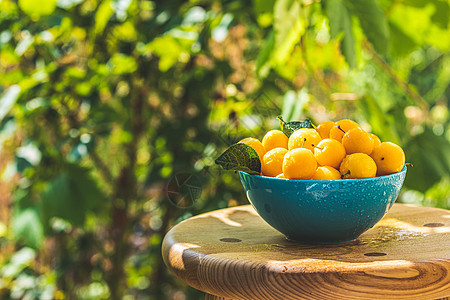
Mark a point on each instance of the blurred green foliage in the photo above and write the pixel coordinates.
(106, 105)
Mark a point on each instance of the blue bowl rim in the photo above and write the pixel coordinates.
(325, 181)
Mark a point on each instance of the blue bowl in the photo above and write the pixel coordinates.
(322, 211)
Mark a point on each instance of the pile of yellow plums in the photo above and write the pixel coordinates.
(330, 151)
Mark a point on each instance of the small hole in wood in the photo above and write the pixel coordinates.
(375, 254)
(230, 240)
(433, 225)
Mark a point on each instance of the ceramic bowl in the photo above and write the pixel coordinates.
(322, 211)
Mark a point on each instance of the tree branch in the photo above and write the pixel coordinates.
(101, 166)
(125, 194)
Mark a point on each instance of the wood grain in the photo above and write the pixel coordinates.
(233, 253)
(212, 297)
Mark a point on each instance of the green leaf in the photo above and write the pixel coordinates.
(263, 59)
(293, 104)
(290, 127)
(102, 16)
(439, 194)
(71, 195)
(26, 221)
(430, 155)
(19, 261)
(264, 12)
(37, 8)
(27, 226)
(240, 157)
(170, 50)
(340, 21)
(373, 22)
(59, 200)
(417, 23)
(402, 44)
(8, 99)
(122, 64)
(289, 25)
(263, 6)
(440, 15)
(381, 122)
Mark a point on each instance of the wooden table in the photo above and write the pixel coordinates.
(232, 253)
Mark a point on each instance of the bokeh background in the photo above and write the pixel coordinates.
(113, 111)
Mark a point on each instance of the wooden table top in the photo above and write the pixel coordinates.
(233, 253)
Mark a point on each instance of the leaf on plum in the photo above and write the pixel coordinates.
(289, 127)
(240, 157)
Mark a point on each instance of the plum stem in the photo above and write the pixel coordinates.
(343, 175)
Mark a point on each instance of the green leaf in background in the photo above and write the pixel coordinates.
(220, 32)
(37, 8)
(401, 43)
(122, 64)
(381, 122)
(430, 155)
(19, 261)
(439, 194)
(26, 220)
(27, 225)
(373, 22)
(170, 50)
(240, 157)
(71, 195)
(264, 11)
(293, 104)
(289, 25)
(340, 20)
(440, 15)
(7, 100)
(289, 127)
(102, 16)
(418, 23)
(263, 6)
(263, 59)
